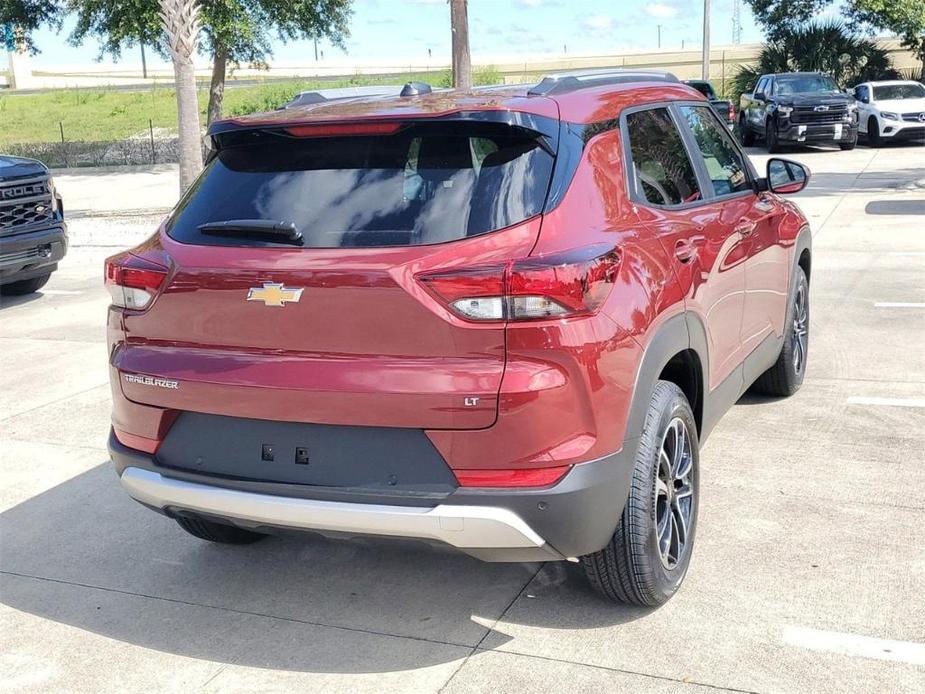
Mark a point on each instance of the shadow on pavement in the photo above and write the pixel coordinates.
(86, 533)
(895, 207)
(11, 301)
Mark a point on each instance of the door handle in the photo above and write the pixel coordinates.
(685, 250)
(744, 228)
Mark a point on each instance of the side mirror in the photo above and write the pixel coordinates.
(760, 96)
(786, 176)
(864, 99)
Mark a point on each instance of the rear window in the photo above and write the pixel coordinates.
(425, 184)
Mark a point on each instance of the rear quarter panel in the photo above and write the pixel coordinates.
(568, 384)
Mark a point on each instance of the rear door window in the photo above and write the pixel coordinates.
(663, 172)
(424, 184)
(725, 164)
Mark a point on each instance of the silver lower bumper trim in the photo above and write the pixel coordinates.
(476, 527)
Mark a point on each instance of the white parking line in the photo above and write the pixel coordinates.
(899, 304)
(886, 402)
(853, 645)
(60, 292)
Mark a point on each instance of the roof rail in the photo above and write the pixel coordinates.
(565, 82)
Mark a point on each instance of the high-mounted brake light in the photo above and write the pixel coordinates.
(561, 286)
(133, 281)
(730, 112)
(340, 129)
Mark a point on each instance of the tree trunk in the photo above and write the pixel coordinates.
(462, 63)
(217, 88)
(188, 122)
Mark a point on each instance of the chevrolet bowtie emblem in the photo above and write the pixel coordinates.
(274, 294)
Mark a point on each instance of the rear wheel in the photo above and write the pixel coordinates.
(770, 137)
(873, 132)
(24, 286)
(786, 376)
(746, 136)
(218, 532)
(647, 558)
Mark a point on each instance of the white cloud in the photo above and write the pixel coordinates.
(660, 10)
(597, 22)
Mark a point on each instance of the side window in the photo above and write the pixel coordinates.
(725, 165)
(863, 92)
(769, 88)
(761, 86)
(663, 172)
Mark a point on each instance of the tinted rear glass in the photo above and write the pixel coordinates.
(425, 184)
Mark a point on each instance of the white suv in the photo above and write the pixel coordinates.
(891, 110)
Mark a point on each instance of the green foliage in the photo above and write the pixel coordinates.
(242, 30)
(779, 18)
(826, 47)
(905, 18)
(29, 15)
(487, 75)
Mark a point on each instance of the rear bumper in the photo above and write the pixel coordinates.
(573, 517)
(34, 253)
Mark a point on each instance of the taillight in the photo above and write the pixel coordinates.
(538, 477)
(133, 281)
(561, 286)
(730, 112)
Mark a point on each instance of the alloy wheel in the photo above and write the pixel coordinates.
(674, 493)
(799, 337)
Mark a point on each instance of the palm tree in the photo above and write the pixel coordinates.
(181, 24)
(827, 47)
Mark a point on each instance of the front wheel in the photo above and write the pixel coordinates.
(770, 137)
(873, 132)
(786, 376)
(647, 558)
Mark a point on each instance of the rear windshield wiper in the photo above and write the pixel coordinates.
(280, 232)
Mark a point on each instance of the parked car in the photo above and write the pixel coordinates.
(724, 109)
(798, 108)
(33, 235)
(891, 110)
(503, 319)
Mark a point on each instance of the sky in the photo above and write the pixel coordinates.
(408, 29)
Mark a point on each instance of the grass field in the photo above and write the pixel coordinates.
(100, 115)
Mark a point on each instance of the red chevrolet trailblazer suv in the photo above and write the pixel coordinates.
(502, 319)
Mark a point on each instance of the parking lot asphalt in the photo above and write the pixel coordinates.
(808, 574)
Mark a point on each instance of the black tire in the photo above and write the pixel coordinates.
(848, 146)
(786, 376)
(631, 567)
(746, 136)
(770, 137)
(24, 286)
(873, 132)
(218, 532)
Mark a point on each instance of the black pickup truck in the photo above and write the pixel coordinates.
(797, 108)
(33, 235)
